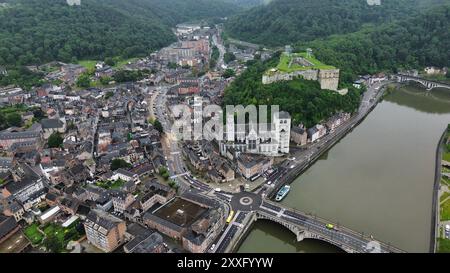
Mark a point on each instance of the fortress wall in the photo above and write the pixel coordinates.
(329, 79)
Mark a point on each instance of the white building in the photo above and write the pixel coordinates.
(269, 139)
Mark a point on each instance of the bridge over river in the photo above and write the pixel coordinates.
(428, 84)
(250, 207)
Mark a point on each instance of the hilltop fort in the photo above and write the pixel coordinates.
(293, 65)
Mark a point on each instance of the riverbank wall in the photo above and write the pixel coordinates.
(435, 216)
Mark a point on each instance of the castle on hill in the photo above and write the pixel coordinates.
(294, 65)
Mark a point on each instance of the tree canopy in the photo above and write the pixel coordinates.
(38, 31)
(55, 140)
(416, 42)
(118, 163)
(287, 21)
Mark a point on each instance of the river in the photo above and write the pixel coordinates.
(378, 179)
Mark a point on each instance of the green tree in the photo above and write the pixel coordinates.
(39, 114)
(229, 57)
(14, 119)
(105, 80)
(84, 81)
(158, 126)
(164, 173)
(228, 73)
(3, 122)
(172, 65)
(53, 244)
(110, 61)
(118, 163)
(55, 140)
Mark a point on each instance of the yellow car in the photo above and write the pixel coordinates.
(330, 226)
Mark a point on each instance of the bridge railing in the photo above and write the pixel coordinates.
(444, 84)
(324, 222)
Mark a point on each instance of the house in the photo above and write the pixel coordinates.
(28, 191)
(214, 176)
(299, 135)
(227, 172)
(12, 208)
(124, 175)
(378, 78)
(104, 231)
(5, 164)
(69, 205)
(8, 138)
(188, 88)
(8, 227)
(194, 220)
(336, 120)
(431, 70)
(78, 173)
(316, 132)
(104, 202)
(48, 215)
(252, 166)
(105, 71)
(143, 240)
(358, 83)
(121, 200)
(142, 170)
(50, 126)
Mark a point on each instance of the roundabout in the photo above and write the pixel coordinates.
(245, 201)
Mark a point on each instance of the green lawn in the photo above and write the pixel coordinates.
(444, 245)
(445, 211)
(33, 234)
(283, 65)
(53, 229)
(444, 196)
(111, 184)
(88, 64)
(121, 63)
(445, 180)
(21, 108)
(446, 156)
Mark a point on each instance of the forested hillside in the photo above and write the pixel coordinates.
(38, 31)
(423, 40)
(285, 21)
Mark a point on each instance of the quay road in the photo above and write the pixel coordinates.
(299, 161)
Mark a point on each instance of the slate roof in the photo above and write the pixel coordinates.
(7, 224)
(51, 123)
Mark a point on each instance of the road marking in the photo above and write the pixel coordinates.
(178, 175)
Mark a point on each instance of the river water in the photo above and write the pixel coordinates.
(377, 180)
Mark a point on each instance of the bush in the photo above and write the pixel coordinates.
(55, 140)
(118, 163)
